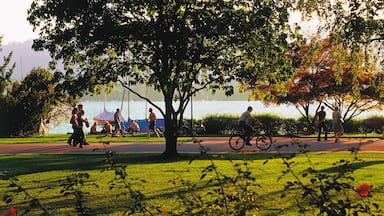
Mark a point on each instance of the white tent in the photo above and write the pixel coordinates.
(107, 116)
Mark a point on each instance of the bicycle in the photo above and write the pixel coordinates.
(263, 139)
(197, 130)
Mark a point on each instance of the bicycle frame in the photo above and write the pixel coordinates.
(263, 139)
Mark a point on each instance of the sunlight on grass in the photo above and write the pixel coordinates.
(41, 174)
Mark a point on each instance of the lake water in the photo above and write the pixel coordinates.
(138, 110)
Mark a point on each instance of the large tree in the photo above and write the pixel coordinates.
(34, 103)
(327, 74)
(6, 71)
(357, 24)
(178, 47)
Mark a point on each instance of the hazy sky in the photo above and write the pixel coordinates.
(14, 26)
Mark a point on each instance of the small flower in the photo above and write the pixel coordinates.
(363, 190)
(174, 181)
(10, 212)
(165, 211)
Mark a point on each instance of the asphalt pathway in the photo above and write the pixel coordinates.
(212, 144)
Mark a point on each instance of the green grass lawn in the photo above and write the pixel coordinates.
(141, 137)
(162, 182)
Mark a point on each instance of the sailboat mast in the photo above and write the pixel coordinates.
(105, 99)
(129, 100)
(122, 100)
(146, 103)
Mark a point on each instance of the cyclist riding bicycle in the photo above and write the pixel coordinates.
(245, 122)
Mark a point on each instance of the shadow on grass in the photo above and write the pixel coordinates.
(21, 164)
(355, 166)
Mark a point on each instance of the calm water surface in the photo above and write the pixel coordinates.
(200, 109)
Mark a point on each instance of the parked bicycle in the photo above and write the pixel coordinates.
(260, 136)
(198, 129)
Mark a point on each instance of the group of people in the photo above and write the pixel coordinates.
(117, 129)
(246, 122)
(78, 121)
(134, 126)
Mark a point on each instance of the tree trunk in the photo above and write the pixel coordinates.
(170, 131)
(43, 128)
(170, 146)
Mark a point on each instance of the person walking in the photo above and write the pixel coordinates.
(152, 123)
(81, 121)
(321, 123)
(75, 125)
(337, 124)
(117, 122)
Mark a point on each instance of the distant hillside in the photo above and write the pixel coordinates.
(25, 58)
(119, 94)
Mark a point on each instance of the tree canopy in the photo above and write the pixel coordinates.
(327, 75)
(6, 71)
(355, 30)
(177, 47)
(357, 24)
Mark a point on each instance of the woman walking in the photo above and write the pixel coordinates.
(337, 124)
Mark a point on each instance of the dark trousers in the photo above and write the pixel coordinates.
(247, 130)
(323, 126)
(78, 136)
(81, 136)
(73, 136)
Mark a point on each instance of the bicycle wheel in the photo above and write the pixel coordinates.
(236, 142)
(264, 141)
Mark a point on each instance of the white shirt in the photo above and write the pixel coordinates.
(246, 116)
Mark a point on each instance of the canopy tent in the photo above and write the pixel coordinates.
(143, 124)
(107, 116)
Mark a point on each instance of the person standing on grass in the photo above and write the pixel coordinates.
(337, 124)
(152, 123)
(321, 123)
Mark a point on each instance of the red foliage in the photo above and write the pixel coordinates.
(363, 190)
(174, 181)
(10, 212)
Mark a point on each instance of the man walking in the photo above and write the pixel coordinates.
(117, 122)
(152, 123)
(321, 124)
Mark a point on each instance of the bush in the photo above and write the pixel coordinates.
(374, 123)
(225, 124)
(220, 124)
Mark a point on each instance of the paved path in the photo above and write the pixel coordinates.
(214, 145)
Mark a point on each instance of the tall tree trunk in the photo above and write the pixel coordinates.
(170, 131)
